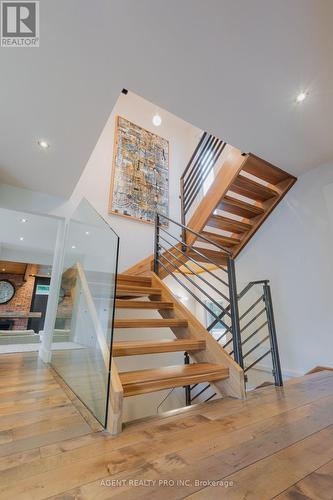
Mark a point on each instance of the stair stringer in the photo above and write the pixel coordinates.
(233, 386)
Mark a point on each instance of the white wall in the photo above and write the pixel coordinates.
(136, 238)
(294, 250)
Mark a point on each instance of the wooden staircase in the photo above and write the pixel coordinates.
(245, 191)
(243, 203)
(210, 362)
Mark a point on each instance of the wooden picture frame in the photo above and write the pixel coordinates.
(140, 173)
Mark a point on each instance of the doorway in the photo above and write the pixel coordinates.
(39, 303)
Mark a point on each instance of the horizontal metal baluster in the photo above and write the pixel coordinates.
(253, 319)
(199, 393)
(223, 335)
(210, 397)
(258, 360)
(252, 307)
(200, 277)
(255, 347)
(217, 245)
(249, 286)
(215, 321)
(189, 291)
(254, 333)
(198, 253)
(227, 343)
(194, 284)
(194, 261)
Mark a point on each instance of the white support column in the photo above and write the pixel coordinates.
(45, 351)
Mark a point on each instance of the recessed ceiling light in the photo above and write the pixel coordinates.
(157, 120)
(43, 144)
(23, 220)
(73, 247)
(87, 233)
(301, 96)
(21, 238)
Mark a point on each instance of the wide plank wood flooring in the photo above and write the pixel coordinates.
(276, 444)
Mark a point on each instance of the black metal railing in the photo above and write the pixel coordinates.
(265, 303)
(199, 167)
(244, 326)
(257, 333)
(218, 295)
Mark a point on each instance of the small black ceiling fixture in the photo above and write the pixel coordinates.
(124, 91)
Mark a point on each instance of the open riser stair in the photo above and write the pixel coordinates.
(216, 224)
(209, 362)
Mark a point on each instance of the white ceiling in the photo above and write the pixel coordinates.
(38, 233)
(230, 67)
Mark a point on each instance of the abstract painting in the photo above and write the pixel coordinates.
(140, 173)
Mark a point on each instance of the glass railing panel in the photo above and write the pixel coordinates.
(82, 338)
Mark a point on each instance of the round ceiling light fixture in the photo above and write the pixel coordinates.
(301, 97)
(157, 120)
(43, 144)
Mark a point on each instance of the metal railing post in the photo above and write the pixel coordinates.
(272, 335)
(157, 244)
(236, 333)
(187, 387)
(182, 213)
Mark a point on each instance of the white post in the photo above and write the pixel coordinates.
(45, 350)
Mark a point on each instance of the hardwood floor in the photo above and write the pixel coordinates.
(276, 444)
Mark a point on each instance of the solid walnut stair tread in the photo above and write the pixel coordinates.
(150, 323)
(240, 207)
(228, 224)
(252, 189)
(220, 239)
(143, 304)
(143, 381)
(139, 291)
(132, 348)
